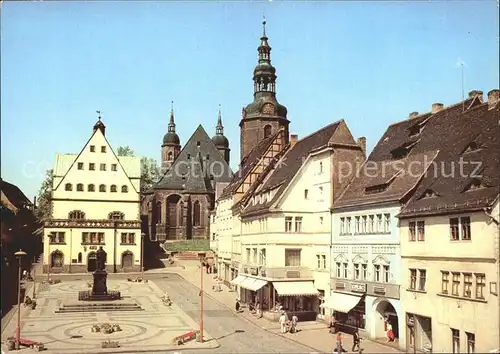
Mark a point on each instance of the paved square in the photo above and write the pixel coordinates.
(151, 329)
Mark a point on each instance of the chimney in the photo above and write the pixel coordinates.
(362, 144)
(293, 139)
(436, 107)
(476, 93)
(493, 97)
(413, 115)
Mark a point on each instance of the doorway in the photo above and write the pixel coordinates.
(127, 259)
(91, 262)
(386, 317)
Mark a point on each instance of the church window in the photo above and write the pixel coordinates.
(180, 211)
(91, 188)
(79, 187)
(124, 189)
(68, 187)
(172, 214)
(116, 215)
(113, 188)
(170, 156)
(76, 215)
(198, 143)
(267, 131)
(196, 213)
(102, 188)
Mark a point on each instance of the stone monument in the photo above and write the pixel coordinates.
(99, 288)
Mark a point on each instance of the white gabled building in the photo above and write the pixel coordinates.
(95, 202)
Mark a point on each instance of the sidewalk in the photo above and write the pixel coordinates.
(312, 334)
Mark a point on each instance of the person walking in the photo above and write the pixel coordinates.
(295, 321)
(282, 321)
(339, 343)
(355, 340)
(237, 306)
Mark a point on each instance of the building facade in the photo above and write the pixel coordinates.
(95, 203)
(450, 242)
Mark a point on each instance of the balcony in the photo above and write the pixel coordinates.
(276, 272)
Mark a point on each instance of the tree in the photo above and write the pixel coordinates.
(44, 203)
(150, 172)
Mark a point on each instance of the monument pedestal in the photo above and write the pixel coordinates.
(99, 287)
(99, 290)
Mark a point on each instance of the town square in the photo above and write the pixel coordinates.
(163, 191)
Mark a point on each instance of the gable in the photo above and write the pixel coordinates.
(97, 176)
(341, 258)
(343, 135)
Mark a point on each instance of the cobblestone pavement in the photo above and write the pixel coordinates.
(149, 330)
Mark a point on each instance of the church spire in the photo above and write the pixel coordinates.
(264, 75)
(171, 124)
(219, 129)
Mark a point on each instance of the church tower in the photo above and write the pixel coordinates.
(171, 146)
(264, 116)
(219, 140)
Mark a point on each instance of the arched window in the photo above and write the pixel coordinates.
(113, 188)
(76, 215)
(79, 187)
(157, 211)
(267, 131)
(170, 156)
(173, 210)
(68, 187)
(79, 257)
(180, 212)
(124, 189)
(102, 188)
(91, 188)
(116, 215)
(196, 213)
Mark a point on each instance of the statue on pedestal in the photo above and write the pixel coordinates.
(100, 275)
(100, 259)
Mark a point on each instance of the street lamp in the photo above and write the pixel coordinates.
(49, 260)
(143, 235)
(19, 254)
(201, 255)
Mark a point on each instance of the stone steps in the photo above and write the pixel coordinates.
(101, 307)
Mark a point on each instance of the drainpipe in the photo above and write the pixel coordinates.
(114, 247)
(70, 248)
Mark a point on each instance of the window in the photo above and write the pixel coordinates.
(321, 220)
(207, 157)
(248, 255)
(91, 188)
(379, 222)
(423, 279)
(412, 230)
(288, 224)
(189, 156)
(345, 268)
(342, 226)
(254, 255)
(298, 224)
(467, 285)
(348, 225)
(306, 193)
(102, 167)
(127, 238)
(413, 279)
(455, 340)
(85, 237)
(377, 272)
(321, 167)
(114, 167)
(103, 148)
(68, 187)
(321, 191)
(386, 273)
(323, 261)
(91, 166)
(445, 282)
(421, 231)
(92, 148)
(364, 271)
(267, 131)
(363, 223)
(124, 189)
(292, 257)
(338, 269)
(480, 285)
(116, 215)
(112, 188)
(196, 213)
(198, 144)
(57, 237)
(387, 222)
(318, 259)
(76, 215)
(79, 187)
(102, 188)
(454, 229)
(456, 284)
(356, 226)
(471, 342)
(371, 223)
(80, 165)
(357, 271)
(465, 223)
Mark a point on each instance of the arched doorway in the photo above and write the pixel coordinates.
(127, 259)
(56, 259)
(91, 262)
(385, 315)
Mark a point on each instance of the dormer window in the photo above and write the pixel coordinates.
(382, 187)
(472, 147)
(403, 151)
(429, 193)
(474, 185)
(417, 128)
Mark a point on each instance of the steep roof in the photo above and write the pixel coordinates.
(402, 155)
(284, 170)
(192, 169)
(12, 197)
(466, 172)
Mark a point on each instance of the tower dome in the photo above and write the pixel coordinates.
(171, 137)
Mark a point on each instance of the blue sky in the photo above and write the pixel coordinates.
(371, 63)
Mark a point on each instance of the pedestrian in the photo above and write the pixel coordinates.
(355, 340)
(238, 305)
(390, 333)
(25, 274)
(295, 322)
(338, 343)
(282, 321)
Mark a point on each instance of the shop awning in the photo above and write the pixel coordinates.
(238, 280)
(255, 285)
(342, 302)
(295, 288)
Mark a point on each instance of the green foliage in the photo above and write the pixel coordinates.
(44, 203)
(125, 151)
(150, 172)
(188, 245)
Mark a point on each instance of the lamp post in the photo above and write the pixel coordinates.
(34, 277)
(202, 257)
(143, 235)
(49, 258)
(19, 254)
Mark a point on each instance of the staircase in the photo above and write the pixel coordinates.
(99, 307)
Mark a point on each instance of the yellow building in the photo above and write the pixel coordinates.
(450, 241)
(95, 202)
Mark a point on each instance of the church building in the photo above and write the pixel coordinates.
(177, 207)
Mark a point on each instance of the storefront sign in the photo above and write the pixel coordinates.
(339, 286)
(358, 288)
(379, 290)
